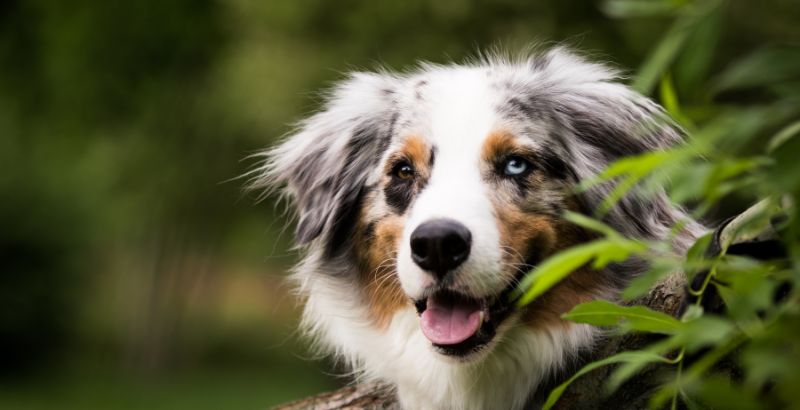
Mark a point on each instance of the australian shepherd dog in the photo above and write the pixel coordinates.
(422, 198)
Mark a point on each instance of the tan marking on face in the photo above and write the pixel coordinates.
(580, 286)
(377, 252)
(497, 144)
(521, 232)
(378, 272)
(415, 150)
(524, 233)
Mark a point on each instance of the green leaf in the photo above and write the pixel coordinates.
(732, 129)
(659, 269)
(669, 97)
(691, 403)
(766, 66)
(662, 57)
(703, 331)
(699, 249)
(629, 369)
(670, 46)
(640, 318)
(636, 165)
(560, 265)
(619, 191)
(721, 393)
(631, 170)
(750, 224)
(721, 349)
(784, 175)
(696, 333)
(783, 135)
(640, 8)
(590, 223)
(693, 64)
(634, 356)
(692, 312)
(686, 182)
(747, 295)
(556, 268)
(697, 258)
(660, 397)
(764, 363)
(618, 250)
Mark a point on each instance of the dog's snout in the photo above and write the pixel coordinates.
(440, 245)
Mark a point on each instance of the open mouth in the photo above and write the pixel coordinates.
(459, 325)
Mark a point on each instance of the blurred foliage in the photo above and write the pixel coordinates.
(742, 123)
(132, 266)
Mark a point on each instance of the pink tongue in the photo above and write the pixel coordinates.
(447, 322)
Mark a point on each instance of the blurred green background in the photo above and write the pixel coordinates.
(135, 273)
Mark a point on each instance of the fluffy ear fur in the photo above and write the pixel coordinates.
(601, 121)
(325, 165)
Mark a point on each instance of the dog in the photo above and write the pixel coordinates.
(422, 199)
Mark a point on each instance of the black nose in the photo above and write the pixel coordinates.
(440, 245)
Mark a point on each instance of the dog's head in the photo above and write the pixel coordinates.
(438, 189)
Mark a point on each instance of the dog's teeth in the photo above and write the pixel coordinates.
(483, 316)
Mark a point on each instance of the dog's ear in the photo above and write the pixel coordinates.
(602, 121)
(323, 166)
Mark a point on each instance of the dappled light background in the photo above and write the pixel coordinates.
(135, 272)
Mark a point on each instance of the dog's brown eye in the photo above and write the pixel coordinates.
(516, 166)
(403, 171)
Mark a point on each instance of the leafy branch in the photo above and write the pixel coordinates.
(761, 315)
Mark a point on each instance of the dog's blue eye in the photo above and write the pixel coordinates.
(516, 166)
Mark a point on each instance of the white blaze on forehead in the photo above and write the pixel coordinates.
(461, 115)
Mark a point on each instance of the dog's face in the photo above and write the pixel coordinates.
(429, 195)
(466, 199)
